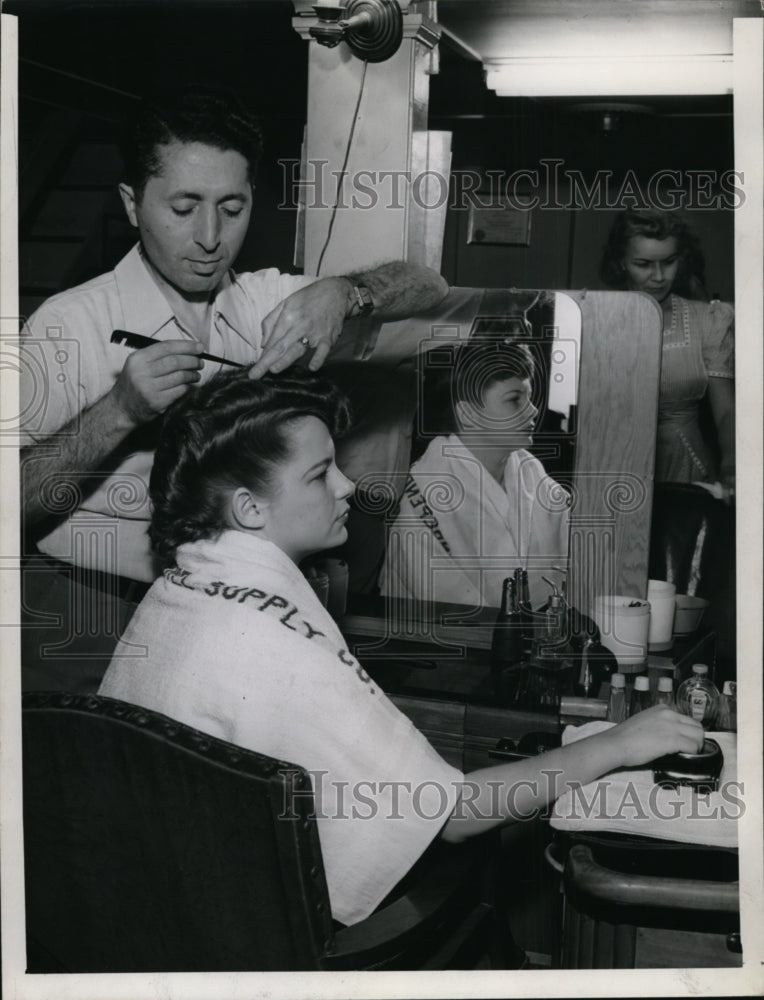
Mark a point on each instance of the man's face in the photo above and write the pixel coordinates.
(193, 216)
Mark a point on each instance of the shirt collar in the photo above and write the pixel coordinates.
(145, 308)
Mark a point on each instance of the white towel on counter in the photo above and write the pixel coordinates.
(459, 532)
(629, 801)
(238, 645)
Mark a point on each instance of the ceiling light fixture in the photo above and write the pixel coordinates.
(634, 75)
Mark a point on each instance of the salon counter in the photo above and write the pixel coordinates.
(437, 672)
(445, 654)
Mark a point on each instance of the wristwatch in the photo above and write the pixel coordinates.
(363, 299)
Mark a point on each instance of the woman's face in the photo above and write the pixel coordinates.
(651, 265)
(505, 417)
(307, 507)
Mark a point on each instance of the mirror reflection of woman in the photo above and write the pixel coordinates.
(655, 252)
(477, 503)
(233, 640)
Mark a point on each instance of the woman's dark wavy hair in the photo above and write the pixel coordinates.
(229, 432)
(478, 365)
(213, 117)
(656, 225)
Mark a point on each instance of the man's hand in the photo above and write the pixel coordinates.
(652, 734)
(156, 376)
(315, 313)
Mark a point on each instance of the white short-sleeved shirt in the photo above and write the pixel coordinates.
(68, 362)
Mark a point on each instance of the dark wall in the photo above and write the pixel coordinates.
(135, 48)
(97, 58)
(563, 142)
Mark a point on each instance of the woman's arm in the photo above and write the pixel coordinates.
(493, 796)
(721, 396)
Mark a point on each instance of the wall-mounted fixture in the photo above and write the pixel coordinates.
(372, 29)
(611, 116)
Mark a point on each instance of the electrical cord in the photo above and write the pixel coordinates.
(341, 178)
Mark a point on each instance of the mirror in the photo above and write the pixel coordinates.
(484, 495)
(600, 355)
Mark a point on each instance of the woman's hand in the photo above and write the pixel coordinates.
(652, 734)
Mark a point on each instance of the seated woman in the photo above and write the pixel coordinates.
(655, 252)
(233, 640)
(477, 503)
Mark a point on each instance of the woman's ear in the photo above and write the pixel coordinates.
(246, 511)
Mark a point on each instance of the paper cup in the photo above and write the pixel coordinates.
(689, 613)
(624, 623)
(660, 596)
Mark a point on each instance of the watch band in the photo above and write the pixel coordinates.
(363, 298)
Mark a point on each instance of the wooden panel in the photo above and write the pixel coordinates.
(659, 948)
(442, 722)
(619, 383)
(543, 263)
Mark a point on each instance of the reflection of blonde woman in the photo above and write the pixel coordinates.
(655, 252)
(237, 644)
(478, 503)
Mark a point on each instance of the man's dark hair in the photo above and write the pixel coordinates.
(230, 432)
(214, 118)
(655, 225)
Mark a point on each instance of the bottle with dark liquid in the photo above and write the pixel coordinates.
(507, 646)
(522, 592)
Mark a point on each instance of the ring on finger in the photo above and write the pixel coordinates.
(304, 341)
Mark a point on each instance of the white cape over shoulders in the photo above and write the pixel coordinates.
(459, 533)
(236, 643)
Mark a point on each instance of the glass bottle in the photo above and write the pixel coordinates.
(507, 646)
(728, 707)
(522, 591)
(616, 708)
(640, 696)
(665, 693)
(698, 696)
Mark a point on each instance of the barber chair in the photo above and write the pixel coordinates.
(635, 902)
(692, 544)
(150, 846)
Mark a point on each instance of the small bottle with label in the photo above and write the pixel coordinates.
(616, 708)
(665, 693)
(698, 697)
(640, 696)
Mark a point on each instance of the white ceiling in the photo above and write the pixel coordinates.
(587, 48)
(500, 29)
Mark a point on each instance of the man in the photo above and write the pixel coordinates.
(90, 406)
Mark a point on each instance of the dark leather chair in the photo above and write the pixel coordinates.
(692, 544)
(150, 846)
